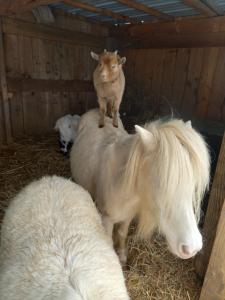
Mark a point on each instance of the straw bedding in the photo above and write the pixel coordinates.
(153, 273)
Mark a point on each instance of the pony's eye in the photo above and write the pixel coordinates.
(100, 64)
(113, 66)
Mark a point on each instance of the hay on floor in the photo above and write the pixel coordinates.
(153, 272)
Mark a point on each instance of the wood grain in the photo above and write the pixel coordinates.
(214, 283)
(215, 204)
(4, 89)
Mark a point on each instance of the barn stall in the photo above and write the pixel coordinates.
(175, 66)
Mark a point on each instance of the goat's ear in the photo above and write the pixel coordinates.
(105, 51)
(188, 124)
(94, 56)
(116, 52)
(122, 60)
(145, 135)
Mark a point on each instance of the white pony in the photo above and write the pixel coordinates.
(158, 174)
(53, 246)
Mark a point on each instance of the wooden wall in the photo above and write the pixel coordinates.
(190, 79)
(41, 52)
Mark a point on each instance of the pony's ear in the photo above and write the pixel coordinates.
(94, 56)
(188, 124)
(146, 136)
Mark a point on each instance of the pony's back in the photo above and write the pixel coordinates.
(87, 153)
(53, 246)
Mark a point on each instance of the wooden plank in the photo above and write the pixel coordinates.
(20, 6)
(210, 57)
(45, 85)
(180, 77)
(216, 201)
(147, 9)
(12, 61)
(4, 89)
(2, 127)
(201, 7)
(16, 113)
(99, 10)
(50, 33)
(216, 39)
(157, 72)
(183, 26)
(168, 74)
(214, 283)
(217, 94)
(192, 83)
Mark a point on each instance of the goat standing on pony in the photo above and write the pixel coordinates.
(109, 83)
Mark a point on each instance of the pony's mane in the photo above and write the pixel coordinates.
(179, 156)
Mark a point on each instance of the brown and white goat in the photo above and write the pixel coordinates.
(109, 83)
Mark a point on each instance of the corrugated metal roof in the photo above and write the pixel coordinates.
(173, 8)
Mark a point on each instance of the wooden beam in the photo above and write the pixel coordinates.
(184, 26)
(214, 7)
(215, 204)
(149, 10)
(176, 41)
(214, 283)
(18, 27)
(101, 11)
(4, 89)
(16, 85)
(201, 32)
(201, 7)
(20, 6)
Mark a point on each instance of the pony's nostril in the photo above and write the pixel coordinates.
(186, 250)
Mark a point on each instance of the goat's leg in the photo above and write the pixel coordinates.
(121, 236)
(102, 112)
(110, 109)
(115, 113)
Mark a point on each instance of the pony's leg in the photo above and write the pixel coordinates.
(121, 236)
(108, 225)
(103, 109)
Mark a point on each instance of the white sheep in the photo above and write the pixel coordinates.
(53, 246)
(67, 127)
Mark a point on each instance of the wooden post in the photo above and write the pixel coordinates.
(214, 283)
(216, 202)
(5, 98)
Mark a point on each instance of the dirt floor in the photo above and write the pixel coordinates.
(153, 272)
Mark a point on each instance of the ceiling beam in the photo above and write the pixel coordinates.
(149, 10)
(214, 7)
(20, 6)
(101, 11)
(201, 7)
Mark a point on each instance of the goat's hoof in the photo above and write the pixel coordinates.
(115, 125)
(100, 125)
(122, 257)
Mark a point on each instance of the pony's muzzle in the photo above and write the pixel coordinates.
(187, 251)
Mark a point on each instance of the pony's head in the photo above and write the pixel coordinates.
(172, 177)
